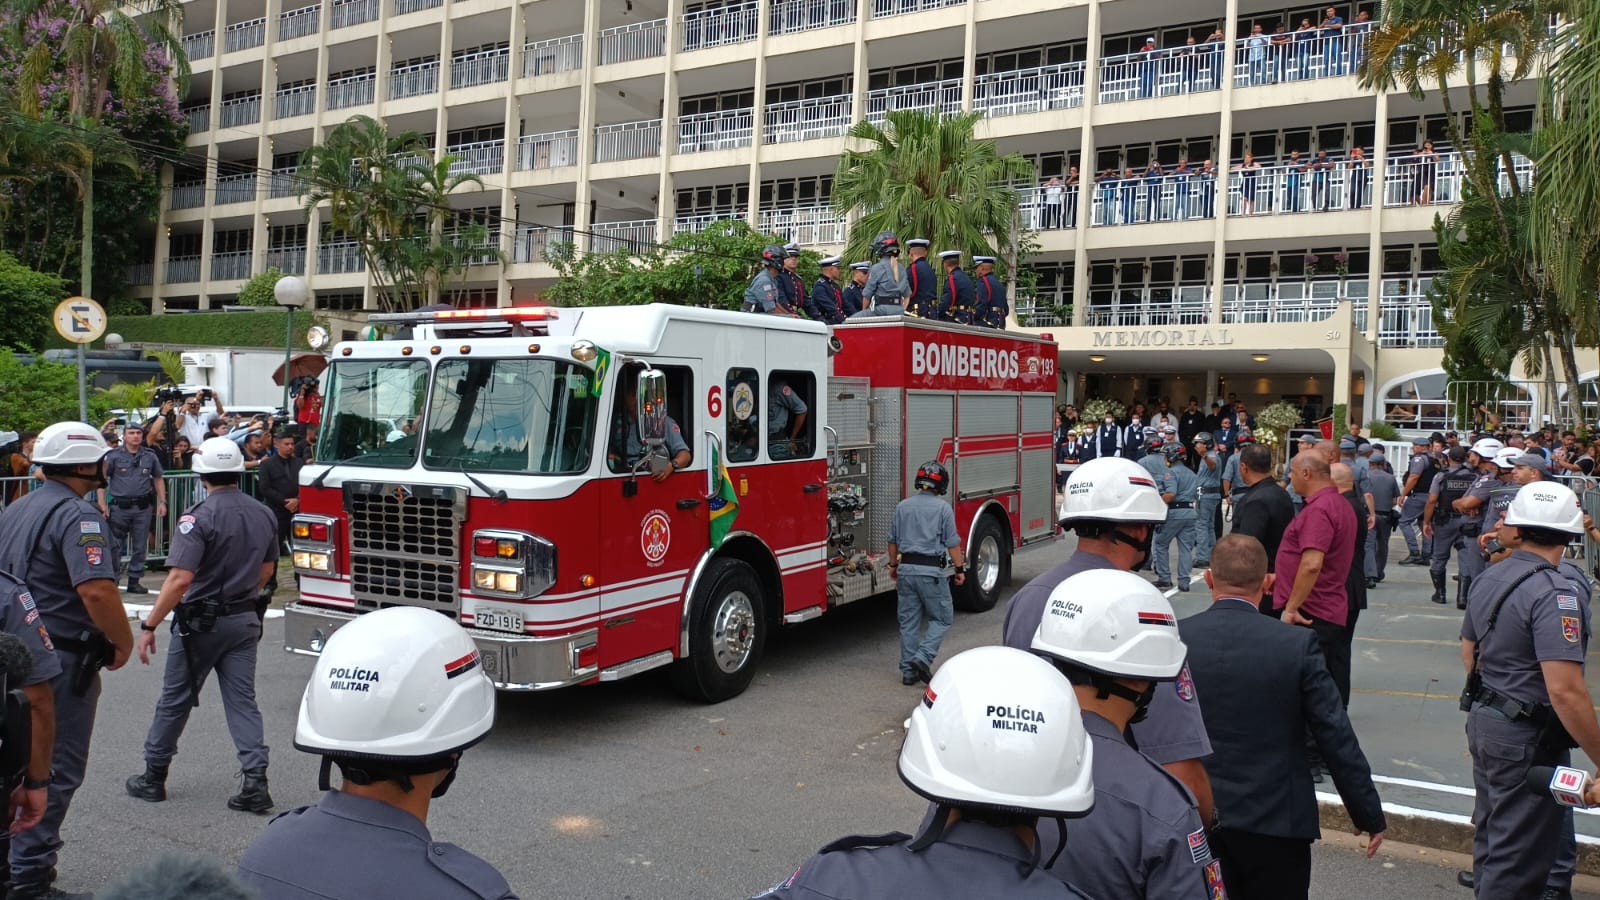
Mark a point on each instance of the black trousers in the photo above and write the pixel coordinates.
(1261, 867)
(1334, 640)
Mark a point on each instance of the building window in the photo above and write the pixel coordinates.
(790, 421)
(744, 415)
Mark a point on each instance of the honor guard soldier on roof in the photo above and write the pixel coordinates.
(138, 497)
(885, 290)
(1524, 639)
(997, 742)
(1144, 839)
(992, 308)
(853, 300)
(960, 295)
(764, 295)
(920, 284)
(55, 541)
(223, 553)
(395, 699)
(826, 298)
(922, 535)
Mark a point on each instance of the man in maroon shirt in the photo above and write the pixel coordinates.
(1313, 561)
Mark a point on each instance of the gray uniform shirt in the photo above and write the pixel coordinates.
(131, 476)
(1230, 474)
(1185, 489)
(882, 285)
(782, 402)
(1156, 465)
(1143, 839)
(635, 448)
(1211, 478)
(54, 541)
(1384, 489)
(763, 294)
(1481, 489)
(1173, 730)
(1545, 619)
(923, 523)
(1419, 464)
(1499, 501)
(1361, 475)
(19, 617)
(381, 852)
(223, 540)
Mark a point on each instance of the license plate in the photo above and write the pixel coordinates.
(498, 618)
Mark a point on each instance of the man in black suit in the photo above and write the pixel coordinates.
(1262, 509)
(1258, 706)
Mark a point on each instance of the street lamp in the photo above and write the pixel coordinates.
(291, 293)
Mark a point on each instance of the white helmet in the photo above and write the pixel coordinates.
(1001, 729)
(1546, 504)
(217, 455)
(1114, 623)
(1112, 489)
(69, 444)
(401, 683)
(1504, 457)
(1486, 448)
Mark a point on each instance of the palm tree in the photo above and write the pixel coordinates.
(102, 42)
(923, 175)
(438, 251)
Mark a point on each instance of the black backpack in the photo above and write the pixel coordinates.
(1426, 476)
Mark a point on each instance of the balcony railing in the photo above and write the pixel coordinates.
(1297, 187)
(299, 22)
(1289, 302)
(241, 111)
(884, 8)
(353, 12)
(555, 150)
(634, 237)
(698, 222)
(236, 189)
(1135, 199)
(1405, 315)
(718, 26)
(478, 158)
(805, 120)
(295, 101)
(552, 56)
(414, 80)
(721, 130)
(1161, 73)
(485, 67)
(628, 140)
(1044, 310)
(199, 117)
(401, 7)
(794, 16)
(818, 224)
(244, 35)
(199, 45)
(1299, 55)
(641, 40)
(487, 246)
(290, 260)
(139, 274)
(188, 196)
(285, 183)
(1029, 90)
(1153, 306)
(532, 241)
(233, 266)
(340, 257)
(352, 90)
(942, 97)
(182, 270)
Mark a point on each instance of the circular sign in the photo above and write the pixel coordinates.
(744, 401)
(79, 320)
(655, 536)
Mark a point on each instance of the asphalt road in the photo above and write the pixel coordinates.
(627, 791)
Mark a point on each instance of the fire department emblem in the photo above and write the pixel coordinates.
(1033, 367)
(743, 402)
(655, 536)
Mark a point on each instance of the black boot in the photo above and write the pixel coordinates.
(42, 890)
(150, 786)
(134, 587)
(1438, 588)
(252, 796)
(1463, 582)
(1411, 560)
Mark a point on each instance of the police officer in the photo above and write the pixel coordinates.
(990, 789)
(1230, 466)
(786, 421)
(826, 298)
(138, 496)
(1464, 491)
(1385, 495)
(1526, 631)
(1208, 496)
(1414, 500)
(922, 535)
(960, 295)
(885, 290)
(19, 617)
(1441, 519)
(1183, 487)
(627, 448)
(56, 543)
(222, 554)
(920, 286)
(1154, 462)
(854, 302)
(992, 308)
(1144, 840)
(765, 293)
(1516, 469)
(396, 698)
(1349, 454)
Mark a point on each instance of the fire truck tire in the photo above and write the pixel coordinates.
(988, 570)
(727, 632)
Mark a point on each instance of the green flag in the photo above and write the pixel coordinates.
(723, 502)
(602, 365)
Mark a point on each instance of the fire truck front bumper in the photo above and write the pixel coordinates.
(513, 662)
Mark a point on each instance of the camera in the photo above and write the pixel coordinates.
(168, 394)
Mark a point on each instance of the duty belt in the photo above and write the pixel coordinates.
(922, 559)
(73, 645)
(132, 502)
(1206, 492)
(235, 607)
(1513, 709)
(1183, 504)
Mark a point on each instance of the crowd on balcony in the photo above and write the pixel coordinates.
(1324, 49)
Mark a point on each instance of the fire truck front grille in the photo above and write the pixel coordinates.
(417, 525)
(405, 544)
(381, 582)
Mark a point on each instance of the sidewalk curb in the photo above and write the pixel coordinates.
(1440, 831)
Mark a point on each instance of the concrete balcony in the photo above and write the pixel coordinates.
(244, 35)
(807, 120)
(182, 270)
(721, 130)
(882, 9)
(352, 90)
(627, 140)
(241, 111)
(414, 80)
(942, 97)
(1161, 73)
(555, 55)
(486, 67)
(807, 225)
(1029, 90)
(297, 23)
(235, 189)
(296, 101)
(199, 45)
(1299, 55)
(290, 260)
(233, 266)
(478, 158)
(191, 195)
(352, 12)
(719, 26)
(640, 40)
(1145, 307)
(795, 16)
(340, 257)
(553, 150)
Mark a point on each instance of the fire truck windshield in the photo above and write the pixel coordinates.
(525, 415)
(373, 411)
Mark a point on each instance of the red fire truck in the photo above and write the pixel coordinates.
(553, 479)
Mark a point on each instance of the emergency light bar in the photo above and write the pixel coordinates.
(490, 314)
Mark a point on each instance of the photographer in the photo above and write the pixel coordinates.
(192, 423)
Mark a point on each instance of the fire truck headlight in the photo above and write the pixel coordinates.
(312, 561)
(499, 582)
(512, 563)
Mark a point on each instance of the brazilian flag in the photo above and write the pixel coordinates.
(723, 501)
(602, 365)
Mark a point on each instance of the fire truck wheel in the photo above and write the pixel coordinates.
(988, 570)
(727, 631)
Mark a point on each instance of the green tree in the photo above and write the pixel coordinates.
(258, 290)
(924, 175)
(28, 297)
(40, 394)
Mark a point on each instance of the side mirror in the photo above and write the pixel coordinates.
(653, 408)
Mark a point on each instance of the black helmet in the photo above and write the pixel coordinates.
(1173, 450)
(1204, 437)
(886, 245)
(772, 256)
(932, 474)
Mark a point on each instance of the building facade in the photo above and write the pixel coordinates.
(1217, 201)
